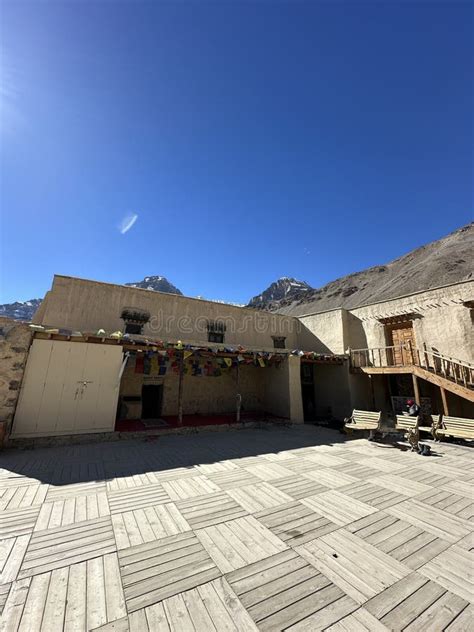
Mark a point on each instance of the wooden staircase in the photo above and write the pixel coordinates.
(448, 373)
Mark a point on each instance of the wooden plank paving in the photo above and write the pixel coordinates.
(405, 542)
(55, 548)
(15, 522)
(453, 569)
(337, 507)
(145, 525)
(461, 506)
(233, 478)
(239, 542)
(372, 495)
(416, 603)
(358, 568)
(436, 521)
(285, 591)
(210, 509)
(137, 498)
(259, 496)
(60, 513)
(4, 590)
(295, 523)
(282, 529)
(298, 487)
(160, 569)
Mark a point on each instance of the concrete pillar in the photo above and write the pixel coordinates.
(294, 390)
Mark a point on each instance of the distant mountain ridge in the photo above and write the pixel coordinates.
(442, 262)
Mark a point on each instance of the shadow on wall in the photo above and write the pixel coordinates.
(354, 332)
(308, 341)
(69, 464)
(351, 334)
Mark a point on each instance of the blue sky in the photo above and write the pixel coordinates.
(253, 140)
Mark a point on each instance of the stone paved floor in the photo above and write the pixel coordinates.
(271, 529)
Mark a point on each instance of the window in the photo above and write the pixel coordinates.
(215, 331)
(133, 328)
(215, 337)
(134, 320)
(279, 342)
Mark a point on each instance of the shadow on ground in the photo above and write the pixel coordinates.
(68, 464)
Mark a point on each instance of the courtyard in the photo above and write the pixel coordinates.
(267, 529)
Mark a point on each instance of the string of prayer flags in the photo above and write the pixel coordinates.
(154, 364)
(139, 360)
(146, 365)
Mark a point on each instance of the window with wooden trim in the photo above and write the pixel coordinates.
(134, 320)
(216, 331)
(133, 328)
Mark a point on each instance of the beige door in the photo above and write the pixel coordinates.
(68, 388)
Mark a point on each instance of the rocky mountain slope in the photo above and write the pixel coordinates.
(448, 260)
(25, 310)
(285, 289)
(156, 283)
(20, 310)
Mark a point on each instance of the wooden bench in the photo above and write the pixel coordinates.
(435, 422)
(364, 420)
(458, 427)
(412, 427)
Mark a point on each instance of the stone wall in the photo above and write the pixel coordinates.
(15, 340)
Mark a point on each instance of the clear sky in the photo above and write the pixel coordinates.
(253, 140)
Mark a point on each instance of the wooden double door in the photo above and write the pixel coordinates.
(402, 340)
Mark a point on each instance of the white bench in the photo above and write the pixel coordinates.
(412, 427)
(458, 427)
(364, 420)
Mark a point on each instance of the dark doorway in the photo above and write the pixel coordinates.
(307, 391)
(152, 397)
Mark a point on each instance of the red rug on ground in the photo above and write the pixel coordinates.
(136, 425)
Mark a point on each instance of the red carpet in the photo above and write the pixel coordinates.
(136, 425)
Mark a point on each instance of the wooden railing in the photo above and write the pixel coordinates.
(450, 368)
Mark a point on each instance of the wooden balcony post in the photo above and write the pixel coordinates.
(372, 391)
(239, 396)
(180, 389)
(418, 362)
(426, 357)
(444, 399)
(410, 353)
(416, 389)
